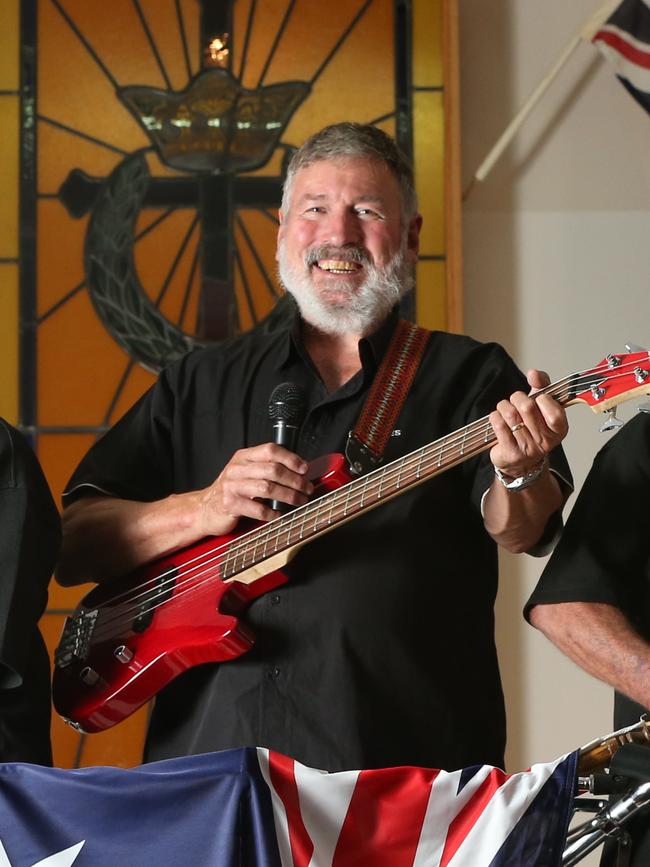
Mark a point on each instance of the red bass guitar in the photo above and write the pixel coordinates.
(129, 638)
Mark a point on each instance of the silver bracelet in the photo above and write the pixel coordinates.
(521, 482)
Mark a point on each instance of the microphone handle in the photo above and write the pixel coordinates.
(283, 435)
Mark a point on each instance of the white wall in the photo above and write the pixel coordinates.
(557, 269)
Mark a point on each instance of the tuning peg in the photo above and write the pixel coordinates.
(644, 407)
(612, 422)
(632, 347)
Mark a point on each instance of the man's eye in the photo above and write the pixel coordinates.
(315, 209)
(367, 212)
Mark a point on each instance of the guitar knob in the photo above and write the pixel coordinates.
(89, 676)
(123, 654)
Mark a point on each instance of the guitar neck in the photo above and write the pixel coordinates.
(360, 495)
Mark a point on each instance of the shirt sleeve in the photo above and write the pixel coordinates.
(134, 459)
(602, 556)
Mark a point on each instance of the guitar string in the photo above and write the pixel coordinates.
(313, 509)
(312, 512)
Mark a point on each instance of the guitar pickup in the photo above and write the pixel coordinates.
(75, 640)
(161, 591)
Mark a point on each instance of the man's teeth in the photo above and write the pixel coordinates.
(338, 265)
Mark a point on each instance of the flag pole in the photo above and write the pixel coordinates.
(586, 32)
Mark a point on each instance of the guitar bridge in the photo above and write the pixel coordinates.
(75, 640)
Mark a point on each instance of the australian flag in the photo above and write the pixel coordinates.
(624, 39)
(257, 808)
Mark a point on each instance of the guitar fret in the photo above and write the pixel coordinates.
(347, 500)
(440, 449)
(418, 470)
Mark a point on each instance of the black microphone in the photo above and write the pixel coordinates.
(286, 411)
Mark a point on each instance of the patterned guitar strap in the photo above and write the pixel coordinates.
(367, 442)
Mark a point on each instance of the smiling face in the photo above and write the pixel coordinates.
(344, 251)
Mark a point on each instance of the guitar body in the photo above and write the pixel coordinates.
(128, 638)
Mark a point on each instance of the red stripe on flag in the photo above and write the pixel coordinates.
(630, 52)
(384, 820)
(283, 778)
(460, 827)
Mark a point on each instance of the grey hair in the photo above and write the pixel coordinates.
(354, 140)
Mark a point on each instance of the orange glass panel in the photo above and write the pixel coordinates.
(9, 29)
(73, 89)
(9, 176)
(79, 366)
(59, 259)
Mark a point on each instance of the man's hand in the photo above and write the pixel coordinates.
(527, 428)
(251, 479)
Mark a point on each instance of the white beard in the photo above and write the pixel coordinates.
(365, 307)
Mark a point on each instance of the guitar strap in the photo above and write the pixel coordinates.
(367, 442)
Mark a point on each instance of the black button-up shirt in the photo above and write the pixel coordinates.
(380, 649)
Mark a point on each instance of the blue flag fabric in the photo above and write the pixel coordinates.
(624, 39)
(257, 808)
(211, 810)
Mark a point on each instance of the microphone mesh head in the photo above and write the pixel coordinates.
(287, 403)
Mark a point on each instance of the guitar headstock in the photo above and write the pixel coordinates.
(614, 380)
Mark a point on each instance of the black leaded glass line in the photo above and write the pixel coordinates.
(246, 285)
(188, 286)
(247, 37)
(82, 135)
(340, 41)
(27, 217)
(269, 216)
(377, 120)
(118, 391)
(258, 261)
(152, 43)
(278, 36)
(176, 262)
(63, 300)
(154, 224)
(86, 44)
(181, 30)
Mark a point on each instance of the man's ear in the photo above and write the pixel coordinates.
(280, 232)
(413, 236)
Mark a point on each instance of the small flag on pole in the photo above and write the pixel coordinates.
(624, 39)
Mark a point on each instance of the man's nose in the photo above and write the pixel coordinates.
(342, 228)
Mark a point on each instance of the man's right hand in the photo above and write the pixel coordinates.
(249, 481)
(104, 536)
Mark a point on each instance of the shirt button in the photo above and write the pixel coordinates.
(273, 672)
(275, 599)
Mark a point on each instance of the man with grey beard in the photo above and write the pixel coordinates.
(380, 650)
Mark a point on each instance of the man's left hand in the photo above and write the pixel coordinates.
(527, 428)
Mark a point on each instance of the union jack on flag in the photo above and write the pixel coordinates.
(624, 39)
(257, 808)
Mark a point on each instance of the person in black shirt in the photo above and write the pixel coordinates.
(593, 598)
(29, 544)
(380, 649)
